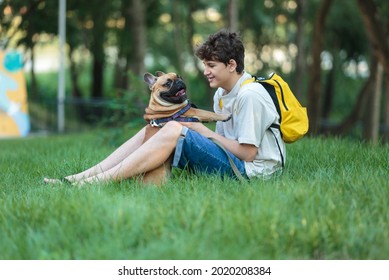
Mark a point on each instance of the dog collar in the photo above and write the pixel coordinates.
(175, 117)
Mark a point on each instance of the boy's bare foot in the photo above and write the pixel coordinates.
(56, 181)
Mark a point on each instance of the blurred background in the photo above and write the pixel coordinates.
(334, 54)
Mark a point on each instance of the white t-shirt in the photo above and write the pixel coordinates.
(253, 112)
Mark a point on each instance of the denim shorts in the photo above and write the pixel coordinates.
(201, 155)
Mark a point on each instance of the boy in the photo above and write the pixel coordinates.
(256, 151)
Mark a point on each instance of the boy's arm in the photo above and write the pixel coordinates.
(244, 152)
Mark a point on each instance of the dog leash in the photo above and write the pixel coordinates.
(175, 117)
(233, 166)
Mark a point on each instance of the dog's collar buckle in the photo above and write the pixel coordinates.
(155, 123)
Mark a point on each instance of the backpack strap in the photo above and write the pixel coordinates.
(269, 89)
(248, 81)
(279, 148)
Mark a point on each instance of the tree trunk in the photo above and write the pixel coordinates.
(97, 77)
(233, 15)
(191, 33)
(377, 36)
(372, 112)
(121, 78)
(138, 27)
(301, 54)
(178, 38)
(97, 50)
(314, 88)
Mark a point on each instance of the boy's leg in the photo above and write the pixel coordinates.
(200, 154)
(149, 156)
(114, 158)
(161, 174)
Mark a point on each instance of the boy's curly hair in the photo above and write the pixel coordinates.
(223, 46)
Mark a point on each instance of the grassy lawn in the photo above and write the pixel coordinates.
(331, 203)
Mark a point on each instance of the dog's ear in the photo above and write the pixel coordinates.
(150, 79)
(159, 73)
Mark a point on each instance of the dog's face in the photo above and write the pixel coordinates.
(167, 88)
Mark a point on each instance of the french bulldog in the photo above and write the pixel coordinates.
(169, 101)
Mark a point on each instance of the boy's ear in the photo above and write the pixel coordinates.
(232, 65)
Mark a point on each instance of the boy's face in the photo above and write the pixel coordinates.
(217, 73)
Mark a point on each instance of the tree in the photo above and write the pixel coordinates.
(98, 32)
(314, 86)
(233, 17)
(167, 31)
(301, 46)
(372, 111)
(379, 42)
(136, 13)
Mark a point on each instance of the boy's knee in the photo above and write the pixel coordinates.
(173, 128)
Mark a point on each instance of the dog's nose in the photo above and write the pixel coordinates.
(180, 83)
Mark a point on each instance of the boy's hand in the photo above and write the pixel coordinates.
(199, 127)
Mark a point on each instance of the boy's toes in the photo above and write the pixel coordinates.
(56, 181)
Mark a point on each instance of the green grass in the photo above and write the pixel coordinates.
(331, 203)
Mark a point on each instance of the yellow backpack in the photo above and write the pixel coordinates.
(293, 117)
